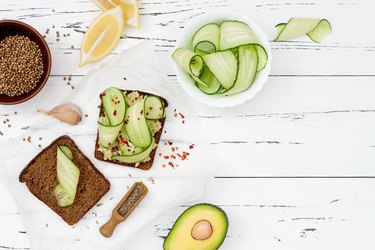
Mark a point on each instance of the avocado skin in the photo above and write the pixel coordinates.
(173, 242)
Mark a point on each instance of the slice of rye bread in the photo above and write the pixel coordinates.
(142, 165)
(40, 176)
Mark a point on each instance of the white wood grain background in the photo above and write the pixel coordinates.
(299, 158)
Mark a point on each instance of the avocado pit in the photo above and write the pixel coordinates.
(202, 230)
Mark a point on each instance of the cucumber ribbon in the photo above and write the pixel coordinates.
(316, 29)
(225, 58)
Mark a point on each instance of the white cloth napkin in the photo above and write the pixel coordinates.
(137, 68)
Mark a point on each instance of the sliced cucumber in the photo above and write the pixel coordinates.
(125, 146)
(108, 134)
(154, 108)
(135, 157)
(316, 29)
(67, 151)
(219, 45)
(68, 178)
(136, 126)
(224, 67)
(235, 33)
(221, 90)
(188, 61)
(201, 52)
(209, 79)
(62, 197)
(114, 105)
(207, 38)
(248, 60)
(262, 57)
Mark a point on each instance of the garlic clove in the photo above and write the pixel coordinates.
(67, 112)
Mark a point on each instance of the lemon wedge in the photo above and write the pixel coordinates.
(130, 10)
(102, 35)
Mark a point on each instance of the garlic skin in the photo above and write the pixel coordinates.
(67, 112)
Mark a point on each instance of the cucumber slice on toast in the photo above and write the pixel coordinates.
(136, 126)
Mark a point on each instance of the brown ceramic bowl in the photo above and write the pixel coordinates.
(11, 28)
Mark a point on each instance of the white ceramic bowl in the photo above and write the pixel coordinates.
(185, 41)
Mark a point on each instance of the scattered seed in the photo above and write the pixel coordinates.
(98, 205)
(40, 138)
(68, 83)
(39, 145)
(1, 133)
(15, 112)
(72, 87)
(9, 125)
(86, 115)
(72, 47)
(64, 78)
(53, 26)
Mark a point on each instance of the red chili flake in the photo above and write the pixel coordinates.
(163, 165)
(170, 143)
(115, 112)
(125, 78)
(173, 157)
(160, 154)
(182, 116)
(171, 164)
(179, 155)
(191, 146)
(101, 94)
(173, 149)
(175, 114)
(183, 121)
(184, 152)
(187, 153)
(165, 143)
(166, 157)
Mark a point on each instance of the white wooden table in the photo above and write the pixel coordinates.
(299, 158)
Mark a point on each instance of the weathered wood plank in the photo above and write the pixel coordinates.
(344, 53)
(265, 214)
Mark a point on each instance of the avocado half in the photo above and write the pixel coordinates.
(200, 227)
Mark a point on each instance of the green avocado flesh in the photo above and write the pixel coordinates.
(181, 235)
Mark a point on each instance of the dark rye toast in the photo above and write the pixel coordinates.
(40, 176)
(142, 165)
